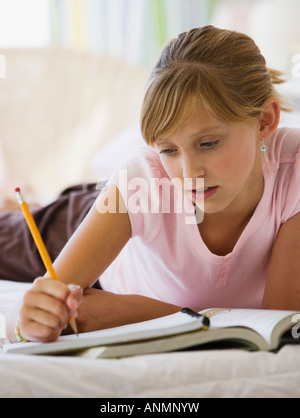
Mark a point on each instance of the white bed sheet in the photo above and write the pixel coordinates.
(196, 374)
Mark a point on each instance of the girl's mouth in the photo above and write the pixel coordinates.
(204, 194)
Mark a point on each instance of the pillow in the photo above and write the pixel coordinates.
(290, 120)
(112, 155)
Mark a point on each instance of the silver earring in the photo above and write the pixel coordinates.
(263, 148)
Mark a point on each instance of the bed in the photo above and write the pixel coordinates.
(194, 374)
(187, 374)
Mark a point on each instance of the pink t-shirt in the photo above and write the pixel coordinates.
(166, 258)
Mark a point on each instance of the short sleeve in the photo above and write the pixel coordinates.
(289, 174)
(292, 199)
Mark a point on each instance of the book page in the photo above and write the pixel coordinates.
(262, 321)
(160, 327)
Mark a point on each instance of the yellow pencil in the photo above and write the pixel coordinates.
(40, 245)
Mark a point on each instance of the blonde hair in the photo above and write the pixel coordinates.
(222, 70)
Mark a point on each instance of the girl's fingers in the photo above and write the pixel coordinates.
(46, 309)
(42, 302)
(44, 327)
(74, 299)
(66, 297)
(52, 287)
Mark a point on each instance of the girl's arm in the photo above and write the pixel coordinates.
(45, 308)
(283, 282)
(91, 250)
(100, 310)
(97, 242)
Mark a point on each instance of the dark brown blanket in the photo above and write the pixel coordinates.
(19, 258)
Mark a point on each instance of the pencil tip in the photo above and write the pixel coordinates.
(73, 326)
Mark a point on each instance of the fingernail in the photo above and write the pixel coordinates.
(75, 287)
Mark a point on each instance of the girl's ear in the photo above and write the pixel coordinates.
(269, 117)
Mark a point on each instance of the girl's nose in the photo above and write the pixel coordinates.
(191, 167)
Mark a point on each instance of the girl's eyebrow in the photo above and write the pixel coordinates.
(162, 142)
(205, 131)
(202, 132)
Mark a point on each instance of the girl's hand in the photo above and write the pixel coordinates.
(46, 309)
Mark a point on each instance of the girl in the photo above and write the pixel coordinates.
(210, 118)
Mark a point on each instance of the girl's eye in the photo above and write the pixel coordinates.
(206, 145)
(210, 144)
(166, 151)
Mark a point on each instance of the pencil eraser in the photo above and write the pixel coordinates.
(17, 189)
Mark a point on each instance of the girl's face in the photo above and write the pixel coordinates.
(225, 155)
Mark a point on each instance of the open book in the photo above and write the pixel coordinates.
(246, 328)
